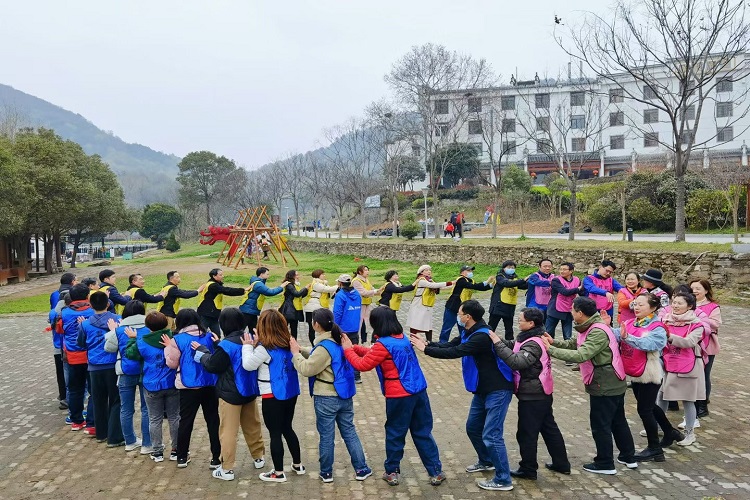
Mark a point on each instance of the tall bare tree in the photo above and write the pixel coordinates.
(314, 184)
(729, 176)
(293, 170)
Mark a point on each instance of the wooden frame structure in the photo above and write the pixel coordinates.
(251, 223)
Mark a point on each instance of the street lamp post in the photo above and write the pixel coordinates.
(424, 191)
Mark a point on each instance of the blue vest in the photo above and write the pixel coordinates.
(157, 376)
(127, 365)
(57, 339)
(95, 346)
(193, 374)
(469, 365)
(284, 381)
(409, 371)
(343, 372)
(246, 382)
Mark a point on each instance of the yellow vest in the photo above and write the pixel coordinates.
(428, 296)
(466, 293)
(366, 301)
(129, 293)
(218, 300)
(163, 293)
(259, 301)
(508, 295)
(297, 301)
(395, 302)
(323, 297)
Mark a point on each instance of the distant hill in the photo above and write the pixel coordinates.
(146, 175)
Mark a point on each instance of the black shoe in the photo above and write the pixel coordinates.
(650, 454)
(670, 438)
(63, 405)
(702, 409)
(673, 406)
(522, 474)
(214, 464)
(558, 469)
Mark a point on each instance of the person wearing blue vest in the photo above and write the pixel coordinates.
(268, 352)
(158, 380)
(491, 381)
(237, 390)
(332, 388)
(407, 406)
(129, 375)
(347, 312)
(101, 365)
(67, 281)
(195, 385)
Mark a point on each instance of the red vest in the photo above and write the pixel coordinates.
(545, 377)
(563, 303)
(587, 367)
(634, 360)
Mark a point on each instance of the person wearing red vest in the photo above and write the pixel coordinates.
(532, 368)
(705, 303)
(601, 287)
(603, 375)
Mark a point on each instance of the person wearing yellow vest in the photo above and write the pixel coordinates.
(170, 304)
(211, 299)
(361, 283)
(319, 296)
(108, 279)
(256, 296)
(394, 290)
(136, 291)
(291, 308)
(505, 298)
(462, 291)
(419, 319)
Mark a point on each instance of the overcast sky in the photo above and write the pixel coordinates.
(252, 79)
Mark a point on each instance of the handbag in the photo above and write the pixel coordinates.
(288, 310)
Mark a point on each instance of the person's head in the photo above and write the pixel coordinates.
(682, 303)
(566, 269)
(174, 278)
(231, 320)
(530, 317)
(652, 279)
(467, 271)
(508, 268)
(322, 321)
(68, 279)
(216, 274)
(606, 269)
(133, 308)
(344, 281)
(363, 271)
(99, 301)
(702, 290)
(545, 266)
(263, 273)
(583, 308)
(155, 321)
(384, 322)
(107, 276)
(79, 292)
(292, 276)
(470, 312)
(645, 304)
(391, 275)
(188, 317)
(682, 288)
(272, 329)
(91, 284)
(319, 274)
(136, 280)
(632, 279)
(424, 271)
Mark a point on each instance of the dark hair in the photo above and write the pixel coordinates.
(67, 278)
(79, 292)
(473, 308)
(231, 320)
(99, 301)
(106, 273)
(585, 305)
(508, 263)
(88, 281)
(213, 272)
(670, 291)
(188, 317)
(544, 260)
(170, 275)
(533, 314)
(569, 265)
(156, 321)
(384, 322)
(706, 286)
(261, 270)
(689, 298)
(317, 273)
(132, 277)
(273, 330)
(652, 300)
(324, 317)
(682, 288)
(132, 308)
(390, 274)
(361, 269)
(289, 276)
(609, 263)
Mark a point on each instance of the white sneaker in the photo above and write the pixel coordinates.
(225, 475)
(147, 450)
(131, 447)
(643, 433)
(260, 463)
(683, 424)
(689, 439)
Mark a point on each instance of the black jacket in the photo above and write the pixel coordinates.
(207, 307)
(390, 289)
(144, 296)
(291, 293)
(220, 363)
(481, 349)
(173, 294)
(462, 283)
(497, 307)
(527, 361)
(559, 288)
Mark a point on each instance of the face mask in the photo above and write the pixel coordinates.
(470, 274)
(461, 323)
(509, 272)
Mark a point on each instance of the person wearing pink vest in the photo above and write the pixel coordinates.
(652, 282)
(626, 297)
(685, 379)
(603, 374)
(532, 373)
(704, 302)
(539, 292)
(565, 288)
(601, 287)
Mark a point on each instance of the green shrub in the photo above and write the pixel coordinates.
(419, 203)
(605, 213)
(410, 227)
(172, 244)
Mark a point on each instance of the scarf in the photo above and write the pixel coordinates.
(644, 321)
(680, 319)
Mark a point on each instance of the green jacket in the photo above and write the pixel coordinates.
(595, 348)
(153, 339)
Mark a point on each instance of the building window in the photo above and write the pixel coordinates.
(543, 146)
(442, 129)
(724, 109)
(509, 125)
(651, 139)
(542, 124)
(616, 95)
(475, 127)
(509, 148)
(650, 116)
(616, 142)
(577, 98)
(475, 104)
(724, 85)
(541, 101)
(441, 107)
(416, 150)
(687, 135)
(689, 113)
(616, 119)
(508, 102)
(479, 147)
(578, 144)
(724, 134)
(578, 122)
(648, 93)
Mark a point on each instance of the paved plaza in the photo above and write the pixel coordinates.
(41, 458)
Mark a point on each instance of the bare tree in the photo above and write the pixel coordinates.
(673, 56)
(272, 187)
(12, 120)
(314, 184)
(334, 191)
(729, 176)
(293, 170)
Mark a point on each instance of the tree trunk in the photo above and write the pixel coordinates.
(495, 201)
(56, 241)
(679, 222)
(435, 214)
(735, 215)
(208, 214)
(395, 213)
(573, 209)
(364, 219)
(296, 216)
(48, 243)
(76, 243)
(315, 222)
(520, 211)
(624, 215)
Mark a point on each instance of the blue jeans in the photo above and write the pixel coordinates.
(567, 326)
(485, 430)
(127, 385)
(329, 412)
(450, 319)
(411, 413)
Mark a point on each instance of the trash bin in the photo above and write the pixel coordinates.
(127, 255)
(630, 234)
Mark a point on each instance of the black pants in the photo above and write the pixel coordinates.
(354, 337)
(363, 332)
(310, 330)
(507, 323)
(106, 396)
(251, 320)
(190, 400)
(534, 418)
(651, 415)
(211, 324)
(278, 416)
(294, 328)
(60, 374)
(77, 377)
(607, 419)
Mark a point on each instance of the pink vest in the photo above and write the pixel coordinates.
(634, 360)
(587, 367)
(712, 346)
(680, 359)
(546, 376)
(542, 294)
(601, 300)
(563, 303)
(626, 314)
